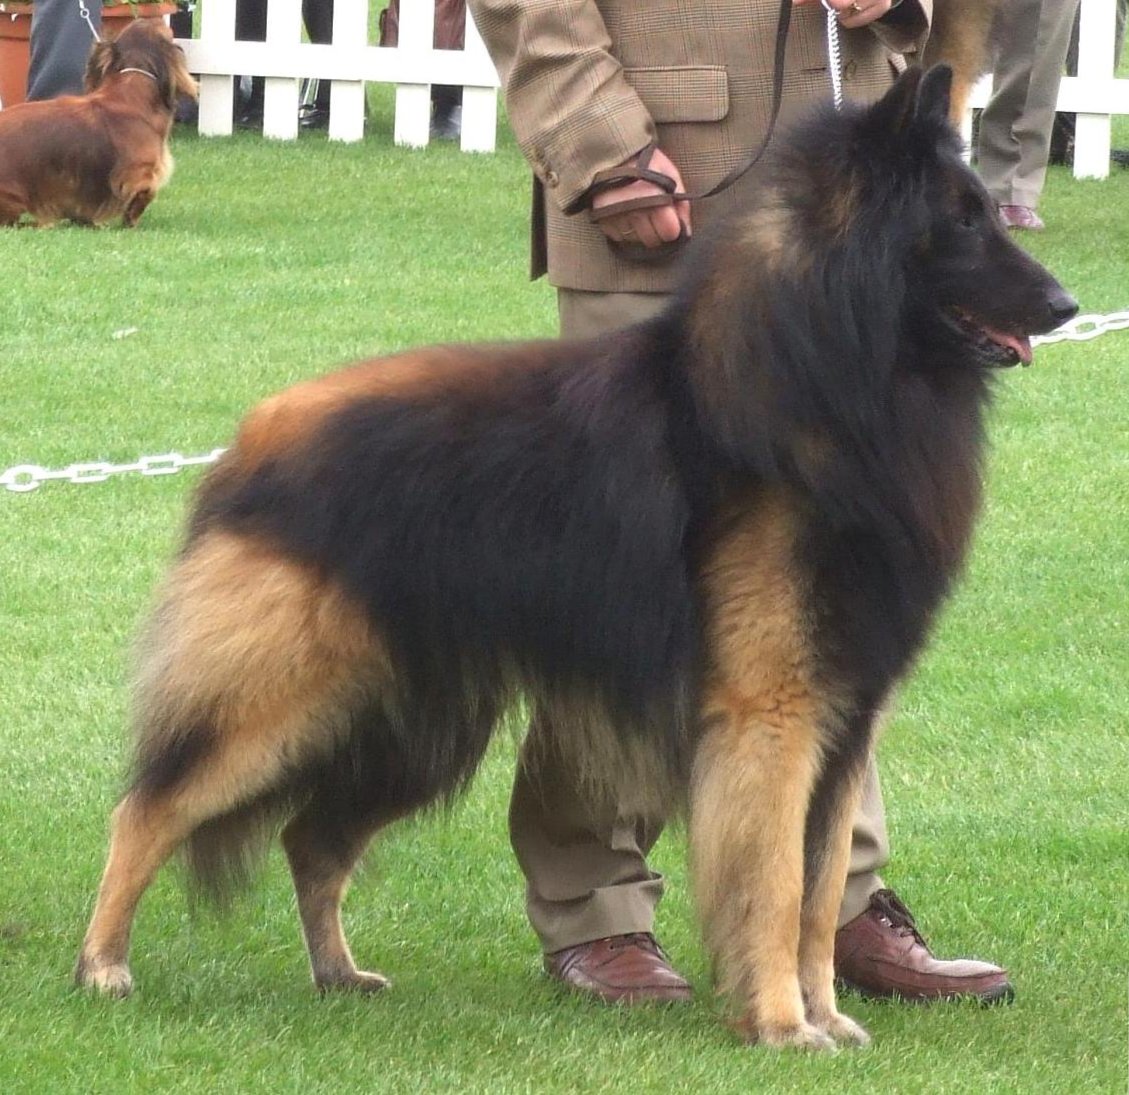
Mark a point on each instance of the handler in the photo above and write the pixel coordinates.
(591, 87)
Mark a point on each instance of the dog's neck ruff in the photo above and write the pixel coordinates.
(144, 72)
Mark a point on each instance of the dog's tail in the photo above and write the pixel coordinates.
(250, 678)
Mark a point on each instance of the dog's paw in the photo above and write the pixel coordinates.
(108, 979)
(353, 981)
(844, 1030)
(793, 1036)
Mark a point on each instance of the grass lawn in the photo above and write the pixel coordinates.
(1006, 770)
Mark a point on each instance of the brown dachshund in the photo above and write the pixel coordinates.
(90, 158)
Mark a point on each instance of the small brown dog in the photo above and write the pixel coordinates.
(90, 158)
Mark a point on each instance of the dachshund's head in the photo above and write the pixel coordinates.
(145, 44)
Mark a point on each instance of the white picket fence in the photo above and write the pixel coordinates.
(413, 65)
(284, 59)
(1095, 95)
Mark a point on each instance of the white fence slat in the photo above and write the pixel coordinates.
(1095, 65)
(347, 97)
(217, 92)
(480, 104)
(280, 94)
(413, 101)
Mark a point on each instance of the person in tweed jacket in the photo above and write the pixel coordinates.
(590, 86)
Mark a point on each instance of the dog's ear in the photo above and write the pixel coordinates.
(98, 67)
(934, 94)
(894, 112)
(184, 81)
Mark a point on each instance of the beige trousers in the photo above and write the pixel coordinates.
(586, 870)
(1014, 139)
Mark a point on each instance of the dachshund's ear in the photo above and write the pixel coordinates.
(98, 67)
(184, 82)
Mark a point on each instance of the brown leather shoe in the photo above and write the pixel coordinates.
(622, 969)
(1022, 217)
(881, 953)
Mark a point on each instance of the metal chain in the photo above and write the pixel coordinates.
(27, 477)
(1084, 328)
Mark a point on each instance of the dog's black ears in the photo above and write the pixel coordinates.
(934, 95)
(918, 96)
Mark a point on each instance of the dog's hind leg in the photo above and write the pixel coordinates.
(323, 843)
(137, 205)
(253, 675)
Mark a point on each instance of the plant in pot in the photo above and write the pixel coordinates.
(15, 35)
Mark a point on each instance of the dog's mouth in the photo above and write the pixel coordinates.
(995, 348)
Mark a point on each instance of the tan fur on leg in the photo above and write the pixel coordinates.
(754, 772)
(263, 661)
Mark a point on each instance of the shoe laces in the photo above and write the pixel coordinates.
(893, 911)
(636, 939)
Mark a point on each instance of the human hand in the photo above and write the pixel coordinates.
(854, 13)
(652, 226)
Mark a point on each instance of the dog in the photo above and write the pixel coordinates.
(93, 157)
(961, 37)
(701, 551)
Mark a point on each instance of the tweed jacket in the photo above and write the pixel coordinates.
(589, 83)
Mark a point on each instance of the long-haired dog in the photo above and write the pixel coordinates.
(105, 154)
(702, 550)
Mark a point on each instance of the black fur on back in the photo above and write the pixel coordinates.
(528, 531)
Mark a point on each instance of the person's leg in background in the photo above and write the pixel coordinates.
(250, 26)
(1013, 142)
(60, 44)
(318, 18)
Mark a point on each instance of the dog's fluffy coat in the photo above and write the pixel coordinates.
(703, 550)
(94, 157)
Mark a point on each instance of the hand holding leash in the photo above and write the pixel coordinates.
(854, 13)
(637, 204)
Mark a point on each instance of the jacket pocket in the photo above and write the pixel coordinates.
(688, 93)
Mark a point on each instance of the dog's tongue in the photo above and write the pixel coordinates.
(1021, 345)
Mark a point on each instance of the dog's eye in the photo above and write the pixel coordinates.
(971, 211)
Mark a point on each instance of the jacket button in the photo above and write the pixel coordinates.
(850, 70)
(552, 178)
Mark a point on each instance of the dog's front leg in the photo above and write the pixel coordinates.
(754, 771)
(827, 851)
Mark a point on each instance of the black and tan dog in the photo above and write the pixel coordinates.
(93, 157)
(703, 551)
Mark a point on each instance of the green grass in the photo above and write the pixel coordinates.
(1005, 770)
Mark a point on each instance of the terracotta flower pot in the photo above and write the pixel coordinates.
(15, 33)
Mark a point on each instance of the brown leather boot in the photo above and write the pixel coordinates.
(881, 953)
(622, 969)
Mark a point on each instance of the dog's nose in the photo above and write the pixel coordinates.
(1062, 307)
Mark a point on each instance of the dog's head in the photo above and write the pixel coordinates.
(969, 286)
(146, 44)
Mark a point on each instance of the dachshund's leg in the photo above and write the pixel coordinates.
(137, 205)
